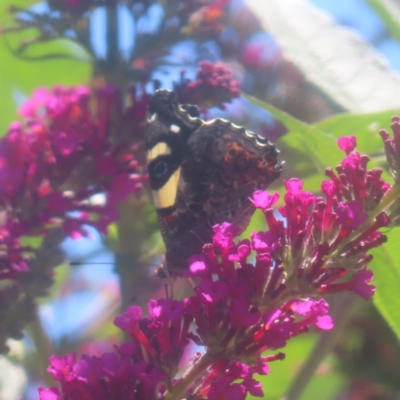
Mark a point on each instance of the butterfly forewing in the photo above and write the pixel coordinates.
(201, 174)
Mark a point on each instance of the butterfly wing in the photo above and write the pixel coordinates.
(223, 166)
(202, 174)
(168, 131)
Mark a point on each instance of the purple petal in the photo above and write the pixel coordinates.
(347, 143)
(263, 200)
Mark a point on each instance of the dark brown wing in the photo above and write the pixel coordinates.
(169, 128)
(201, 174)
(222, 166)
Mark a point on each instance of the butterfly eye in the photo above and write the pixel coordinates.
(160, 169)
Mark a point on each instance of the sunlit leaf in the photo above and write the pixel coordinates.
(386, 267)
(334, 58)
(62, 274)
(19, 77)
(389, 11)
(5, 5)
(364, 126)
(282, 372)
(326, 384)
(32, 241)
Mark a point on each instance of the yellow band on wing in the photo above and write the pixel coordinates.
(166, 196)
(160, 149)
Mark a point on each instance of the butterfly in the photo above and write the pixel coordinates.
(202, 173)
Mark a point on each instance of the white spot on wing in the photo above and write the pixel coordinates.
(182, 110)
(174, 128)
(152, 118)
(212, 121)
(262, 144)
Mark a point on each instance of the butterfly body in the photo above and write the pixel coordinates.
(201, 174)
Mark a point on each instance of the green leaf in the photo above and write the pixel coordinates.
(309, 149)
(326, 384)
(389, 11)
(338, 61)
(257, 224)
(47, 50)
(282, 372)
(31, 241)
(364, 126)
(61, 276)
(314, 145)
(19, 77)
(386, 268)
(5, 14)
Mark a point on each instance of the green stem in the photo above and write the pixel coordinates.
(112, 58)
(44, 349)
(196, 372)
(132, 263)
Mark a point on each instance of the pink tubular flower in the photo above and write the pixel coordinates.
(49, 394)
(225, 389)
(129, 319)
(317, 311)
(347, 143)
(392, 147)
(354, 182)
(50, 164)
(351, 213)
(361, 278)
(263, 200)
(111, 376)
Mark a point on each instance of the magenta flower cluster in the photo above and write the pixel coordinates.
(230, 324)
(68, 165)
(319, 247)
(52, 167)
(251, 296)
(213, 86)
(392, 147)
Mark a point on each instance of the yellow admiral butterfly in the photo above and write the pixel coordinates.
(201, 174)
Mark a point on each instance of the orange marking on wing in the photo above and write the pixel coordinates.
(168, 218)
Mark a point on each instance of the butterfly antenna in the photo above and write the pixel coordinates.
(74, 263)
